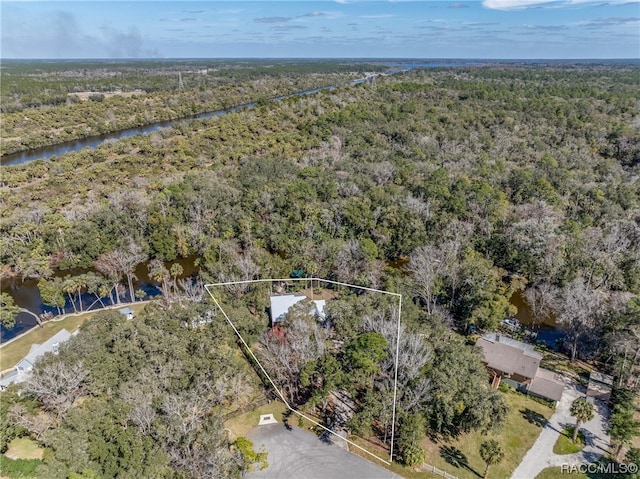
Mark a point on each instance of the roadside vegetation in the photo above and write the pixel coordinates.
(456, 187)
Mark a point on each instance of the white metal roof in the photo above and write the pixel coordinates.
(281, 303)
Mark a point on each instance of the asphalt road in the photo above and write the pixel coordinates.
(297, 454)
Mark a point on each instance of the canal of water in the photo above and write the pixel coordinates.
(26, 294)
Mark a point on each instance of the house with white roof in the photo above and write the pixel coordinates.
(281, 303)
(23, 369)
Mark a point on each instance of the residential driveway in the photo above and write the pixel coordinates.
(297, 454)
(541, 455)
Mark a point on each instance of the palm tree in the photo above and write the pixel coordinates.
(159, 273)
(176, 270)
(107, 265)
(69, 286)
(582, 410)
(491, 453)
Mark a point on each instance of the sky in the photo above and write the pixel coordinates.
(501, 29)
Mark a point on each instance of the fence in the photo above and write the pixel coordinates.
(435, 470)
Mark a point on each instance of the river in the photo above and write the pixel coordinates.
(49, 152)
(52, 151)
(25, 293)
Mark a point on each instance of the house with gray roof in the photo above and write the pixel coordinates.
(518, 364)
(22, 370)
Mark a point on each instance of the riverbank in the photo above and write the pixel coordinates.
(48, 150)
(15, 349)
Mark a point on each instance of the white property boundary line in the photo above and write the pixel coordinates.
(395, 381)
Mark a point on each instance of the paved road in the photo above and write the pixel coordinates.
(298, 454)
(541, 454)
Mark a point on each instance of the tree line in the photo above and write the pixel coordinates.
(485, 181)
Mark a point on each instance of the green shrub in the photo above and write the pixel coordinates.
(18, 468)
(504, 387)
(413, 454)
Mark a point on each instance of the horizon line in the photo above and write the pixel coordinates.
(625, 59)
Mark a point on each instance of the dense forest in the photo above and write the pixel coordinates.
(454, 186)
(52, 102)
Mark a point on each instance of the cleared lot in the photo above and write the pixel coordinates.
(297, 454)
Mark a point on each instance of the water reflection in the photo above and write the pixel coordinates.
(547, 331)
(27, 295)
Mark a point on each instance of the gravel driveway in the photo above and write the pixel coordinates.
(541, 454)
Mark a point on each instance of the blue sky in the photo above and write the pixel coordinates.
(345, 28)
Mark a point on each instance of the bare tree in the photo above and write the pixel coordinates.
(413, 354)
(285, 352)
(57, 385)
(130, 256)
(122, 262)
(196, 442)
(580, 304)
(542, 299)
(426, 265)
(240, 267)
(142, 412)
(349, 261)
(538, 233)
(192, 290)
(108, 266)
(37, 424)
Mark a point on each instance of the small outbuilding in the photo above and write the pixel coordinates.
(127, 312)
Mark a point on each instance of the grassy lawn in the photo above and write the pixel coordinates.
(557, 473)
(24, 448)
(13, 352)
(461, 457)
(565, 444)
(242, 424)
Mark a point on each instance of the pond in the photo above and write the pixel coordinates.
(548, 331)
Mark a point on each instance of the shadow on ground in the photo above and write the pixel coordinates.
(533, 417)
(456, 458)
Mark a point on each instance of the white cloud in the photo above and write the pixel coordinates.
(512, 4)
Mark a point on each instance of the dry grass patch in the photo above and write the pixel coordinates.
(240, 425)
(24, 448)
